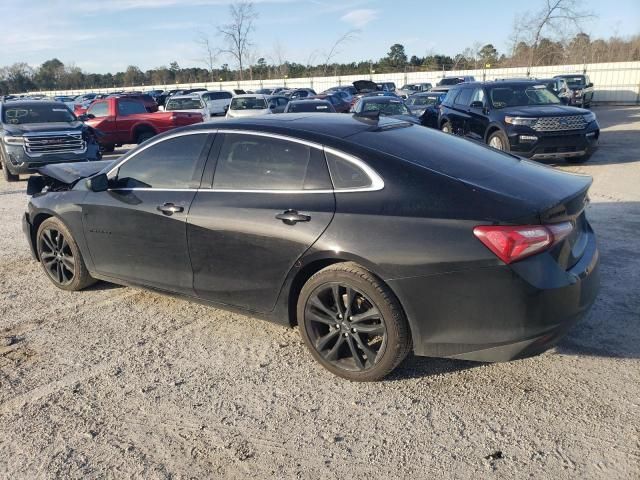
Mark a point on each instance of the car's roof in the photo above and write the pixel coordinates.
(568, 75)
(310, 100)
(252, 95)
(30, 103)
(428, 94)
(381, 99)
(498, 83)
(308, 125)
(190, 96)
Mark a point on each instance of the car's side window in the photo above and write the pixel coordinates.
(464, 98)
(255, 162)
(128, 107)
(346, 174)
(99, 109)
(478, 96)
(169, 164)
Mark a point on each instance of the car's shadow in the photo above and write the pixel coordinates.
(418, 367)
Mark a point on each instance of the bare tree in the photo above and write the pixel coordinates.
(334, 50)
(559, 17)
(237, 32)
(209, 52)
(278, 59)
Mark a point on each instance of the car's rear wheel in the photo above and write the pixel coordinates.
(60, 256)
(499, 141)
(446, 127)
(352, 323)
(144, 136)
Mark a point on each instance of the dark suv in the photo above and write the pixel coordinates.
(523, 117)
(581, 89)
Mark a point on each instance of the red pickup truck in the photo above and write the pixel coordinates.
(126, 120)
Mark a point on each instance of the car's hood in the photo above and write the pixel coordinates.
(69, 173)
(365, 86)
(544, 111)
(42, 127)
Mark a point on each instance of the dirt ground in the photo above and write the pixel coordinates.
(122, 383)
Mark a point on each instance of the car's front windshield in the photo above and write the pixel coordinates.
(184, 104)
(577, 81)
(392, 107)
(521, 95)
(45, 113)
(248, 103)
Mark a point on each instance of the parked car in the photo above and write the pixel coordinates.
(376, 239)
(447, 82)
(386, 86)
(426, 106)
(385, 106)
(36, 133)
(124, 120)
(188, 103)
(270, 91)
(310, 105)
(363, 87)
(559, 87)
(217, 101)
(581, 89)
(298, 93)
(350, 89)
(522, 117)
(411, 88)
(68, 101)
(249, 105)
(340, 105)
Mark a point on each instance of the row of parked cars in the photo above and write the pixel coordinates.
(531, 118)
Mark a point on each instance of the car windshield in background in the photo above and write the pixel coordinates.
(248, 103)
(450, 81)
(309, 107)
(184, 104)
(387, 108)
(20, 115)
(426, 101)
(522, 95)
(577, 81)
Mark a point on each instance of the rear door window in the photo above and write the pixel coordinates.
(464, 98)
(345, 174)
(129, 107)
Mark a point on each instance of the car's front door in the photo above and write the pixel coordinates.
(459, 113)
(478, 120)
(271, 199)
(136, 230)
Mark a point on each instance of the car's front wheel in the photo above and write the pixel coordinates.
(446, 127)
(352, 323)
(8, 176)
(60, 256)
(499, 141)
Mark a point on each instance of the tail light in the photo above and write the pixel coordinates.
(512, 243)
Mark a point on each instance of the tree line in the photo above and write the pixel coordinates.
(535, 41)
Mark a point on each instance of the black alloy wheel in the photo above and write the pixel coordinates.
(345, 327)
(352, 323)
(56, 256)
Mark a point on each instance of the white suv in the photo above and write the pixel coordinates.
(217, 101)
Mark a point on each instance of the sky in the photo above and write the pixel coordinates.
(108, 35)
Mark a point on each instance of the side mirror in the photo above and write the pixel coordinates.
(83, 117)
(477, 104)
(590, 85)
(98, 183)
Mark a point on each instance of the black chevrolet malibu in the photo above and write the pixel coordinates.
(376, 237)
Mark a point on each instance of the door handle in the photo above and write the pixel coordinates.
(291, 217)
(169, 209)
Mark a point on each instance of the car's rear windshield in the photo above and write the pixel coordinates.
(450, 81)
(393, 107)
(184, 104)
(576, 81)
(521, 95)
(425, 100)
(248, 103)
(310, 107)
(20, 115)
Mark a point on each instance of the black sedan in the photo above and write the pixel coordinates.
(386, 106)
(376, 237)
(426, 106)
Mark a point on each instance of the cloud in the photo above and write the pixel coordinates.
(360, 18)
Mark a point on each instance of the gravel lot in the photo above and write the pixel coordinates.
(122, 383)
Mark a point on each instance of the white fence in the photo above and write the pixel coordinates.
(614, 82)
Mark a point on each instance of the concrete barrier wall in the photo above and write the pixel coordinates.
(617, 82)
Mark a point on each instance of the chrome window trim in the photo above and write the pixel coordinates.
(376, 181)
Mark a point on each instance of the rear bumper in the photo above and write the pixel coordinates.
(499, 313)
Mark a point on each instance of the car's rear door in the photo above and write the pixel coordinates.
(136, 230)
(271, 198)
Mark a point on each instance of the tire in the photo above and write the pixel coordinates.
(60, 256)
(499, 141)
(446, 127)
(8, 176)
(107, 148)
(144, 136)
(340, 341)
